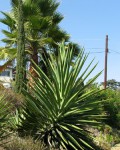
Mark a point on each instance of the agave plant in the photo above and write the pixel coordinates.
(58, 109)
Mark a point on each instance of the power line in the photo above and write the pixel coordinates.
(115, 51)
(94, 48)
(110, 51)
(101, 52)
(96, 52)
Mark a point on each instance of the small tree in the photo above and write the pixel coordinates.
(113, 84)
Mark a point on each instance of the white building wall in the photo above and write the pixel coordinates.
(6, 80)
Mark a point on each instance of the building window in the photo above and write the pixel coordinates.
(5, 73)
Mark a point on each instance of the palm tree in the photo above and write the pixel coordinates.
(41, 28)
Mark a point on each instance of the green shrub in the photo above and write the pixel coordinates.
(58, 109)
(9, 103)
(112, 108)
(111, 105)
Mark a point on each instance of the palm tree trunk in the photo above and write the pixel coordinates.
(34, 58)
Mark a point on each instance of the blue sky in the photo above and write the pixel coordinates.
(88, 22)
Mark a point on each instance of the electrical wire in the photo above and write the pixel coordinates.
(110, 51)
(94, 48)
(96, 52)
(114, 51)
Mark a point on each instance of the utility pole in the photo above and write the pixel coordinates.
(106, 55)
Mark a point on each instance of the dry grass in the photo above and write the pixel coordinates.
(12, 97)
(17, 143)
